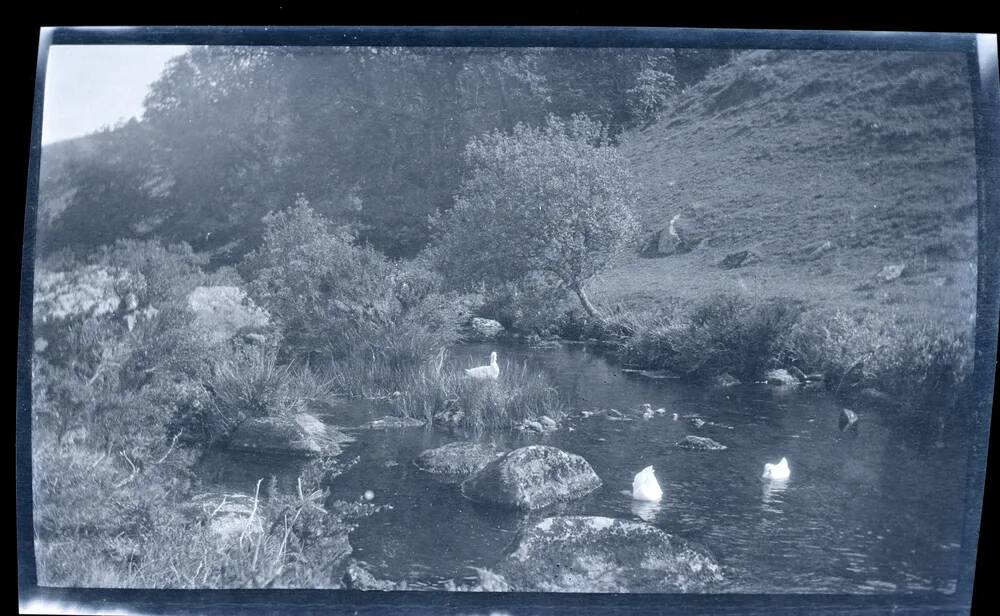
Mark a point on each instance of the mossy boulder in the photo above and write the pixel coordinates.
(531, 478)
(600, 554)
(459, 459)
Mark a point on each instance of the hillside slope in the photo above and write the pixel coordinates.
(781, 152)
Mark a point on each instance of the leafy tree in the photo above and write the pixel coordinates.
(373, 137)
(555, 201)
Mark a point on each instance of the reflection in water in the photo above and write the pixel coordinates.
(873, 510)
(772, 496)
(645, 510)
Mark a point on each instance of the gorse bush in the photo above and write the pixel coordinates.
(725, 333)
(321, 290)
(893, 353)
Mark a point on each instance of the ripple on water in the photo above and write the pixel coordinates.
(875, 513)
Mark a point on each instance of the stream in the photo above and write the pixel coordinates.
(876, 510)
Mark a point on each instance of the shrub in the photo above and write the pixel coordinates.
(531, 305)
(249, 385)
(866, 349)
(320, 289)
(94, 529)
(724, 333)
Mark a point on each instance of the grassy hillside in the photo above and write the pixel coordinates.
(782, 151)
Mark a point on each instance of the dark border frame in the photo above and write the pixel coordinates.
(981, 54)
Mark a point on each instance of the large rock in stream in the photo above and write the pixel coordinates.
(459, 459)
(300, 435)
(599, 554)
(531, 478)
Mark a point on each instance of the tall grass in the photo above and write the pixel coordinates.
(438, 390)
(94, 529)
(441, 389)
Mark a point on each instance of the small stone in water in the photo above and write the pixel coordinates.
(369, 495)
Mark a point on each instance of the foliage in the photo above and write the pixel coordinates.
(555, 201)
(725, 333)
(531, 305)
(893, 353)
(98, 526)
(372, 136)
(440, 392)
(320, 289)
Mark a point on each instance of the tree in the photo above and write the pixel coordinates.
(555, 201)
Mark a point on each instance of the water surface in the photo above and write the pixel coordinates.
(872, 511)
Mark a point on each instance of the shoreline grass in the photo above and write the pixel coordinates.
(438, 391)
(744, 336)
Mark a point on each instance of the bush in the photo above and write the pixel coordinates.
(321, 290)
(725, 333)
(866, 349)
(96, 529)
(530, 306)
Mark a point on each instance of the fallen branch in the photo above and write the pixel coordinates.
(171, 448)
(135, 470)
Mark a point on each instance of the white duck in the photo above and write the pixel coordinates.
(645, 486)
(779, 471)
(491, 371)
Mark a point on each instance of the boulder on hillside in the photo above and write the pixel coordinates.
(227, 515)
(222, 311)
(740, 259)
(812, 252)
(599, 554)
(891, 272)
(678, 237)
(457, 459)
(531, 478)
(483, 329)
(300, 435)
(726, 380)
(848, 419)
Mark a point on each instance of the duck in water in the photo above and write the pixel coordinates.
(777, 472)
(645, 487)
